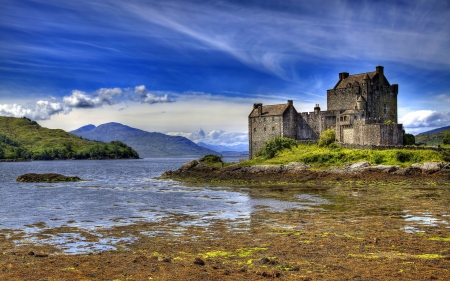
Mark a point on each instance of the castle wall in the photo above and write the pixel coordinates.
(382, 104)
(263, 129)
(380, 134)
(344, 98)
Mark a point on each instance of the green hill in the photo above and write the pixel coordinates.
(434, 137)
(21, 138)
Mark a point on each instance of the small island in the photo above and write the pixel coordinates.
(48, 177)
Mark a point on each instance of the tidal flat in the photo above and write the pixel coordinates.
(355, 230)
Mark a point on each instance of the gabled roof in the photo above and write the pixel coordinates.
(270, 110)
(355, 78)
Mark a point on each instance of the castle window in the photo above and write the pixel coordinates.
(273, 128)
(254, 130)
(385, 108)
(264, 129)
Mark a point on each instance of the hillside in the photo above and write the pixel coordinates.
(21, 138)
(145, 143)
(433, 137)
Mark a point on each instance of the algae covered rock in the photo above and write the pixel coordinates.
(32, 177)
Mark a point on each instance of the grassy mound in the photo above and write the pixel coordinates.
(335, 155)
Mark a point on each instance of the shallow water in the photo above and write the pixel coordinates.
(117, 192)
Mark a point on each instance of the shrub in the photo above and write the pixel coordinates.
(327, 137)
(446, 139)
(272, 147)
(211, 159)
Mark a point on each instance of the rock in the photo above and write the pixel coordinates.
(431, 167)
(296, 166)
(266, 169)
(199, 261)
(383, 168)
(32, 177)
(189, 165)
(409, 171)
(359, 165)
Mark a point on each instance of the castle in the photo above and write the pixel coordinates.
(359, 108)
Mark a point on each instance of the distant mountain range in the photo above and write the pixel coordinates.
(227, 149)
(147, 144)
(432, 137)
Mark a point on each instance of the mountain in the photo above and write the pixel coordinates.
(145, 143)
(21, 138)
(226, 149)
(433, 137)
(438, 130)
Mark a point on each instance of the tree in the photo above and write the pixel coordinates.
(409, 139)
(446, 139)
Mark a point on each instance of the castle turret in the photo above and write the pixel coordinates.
(361, 103)
(317, 109)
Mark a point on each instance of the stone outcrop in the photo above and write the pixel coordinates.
(299, 172)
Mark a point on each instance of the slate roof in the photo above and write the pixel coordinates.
(270, 110)
(354, 78)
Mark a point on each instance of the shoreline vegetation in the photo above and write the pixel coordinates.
(23, 140)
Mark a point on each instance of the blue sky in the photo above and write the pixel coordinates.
(177, 66)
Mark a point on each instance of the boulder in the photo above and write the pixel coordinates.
(295, 166)
(189, 165)
(431, 167)
(359, 165)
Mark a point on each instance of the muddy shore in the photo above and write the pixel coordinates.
(367, 227)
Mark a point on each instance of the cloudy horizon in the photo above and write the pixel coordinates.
(178, 66)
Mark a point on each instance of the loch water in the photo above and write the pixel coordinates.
(115, 192)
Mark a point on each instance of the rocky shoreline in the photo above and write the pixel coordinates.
(196, 171)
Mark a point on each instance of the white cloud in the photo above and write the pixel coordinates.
(41, 110)
(103, 96)
(425, 119)
(144, 96)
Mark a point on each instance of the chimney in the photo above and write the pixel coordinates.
(343, 75)
(259, 107)
(290, 102)
(317, 109)
(380, 69)
(380, 74)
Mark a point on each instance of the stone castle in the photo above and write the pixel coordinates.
(362, 110)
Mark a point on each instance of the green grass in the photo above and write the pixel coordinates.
(334, 155)
(21, 138)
